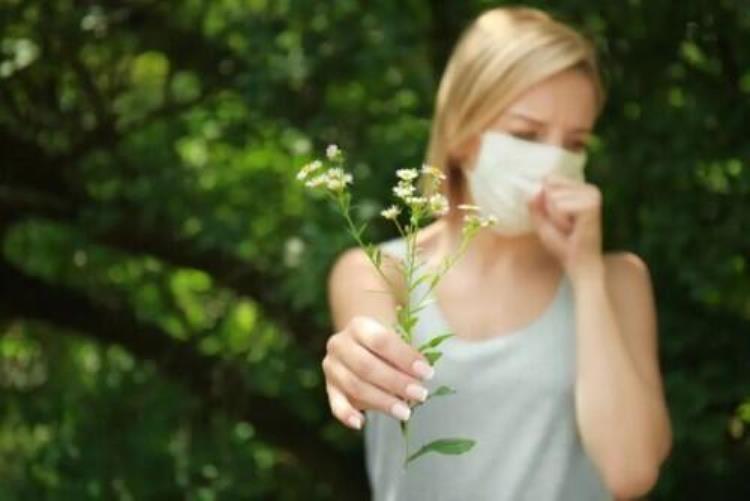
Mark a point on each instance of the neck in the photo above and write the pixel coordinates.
(489, 250)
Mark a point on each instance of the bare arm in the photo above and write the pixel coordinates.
(620, 402)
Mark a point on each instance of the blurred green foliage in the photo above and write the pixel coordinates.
(162, 287)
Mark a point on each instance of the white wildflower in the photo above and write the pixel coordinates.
(337, 179)
(316, 181)
(439, 204)
(391, 212)
(488, 221)
(333, 151)
(403, 190)
(415, 201)
(475, 220)
(308, 169)
(432, 171)
(335, 184)
(407, 174)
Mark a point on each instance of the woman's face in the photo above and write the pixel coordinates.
(560, 111)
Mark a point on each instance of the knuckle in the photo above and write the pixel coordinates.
(379, 341)
(365, 368)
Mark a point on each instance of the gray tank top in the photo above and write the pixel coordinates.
(514, 396)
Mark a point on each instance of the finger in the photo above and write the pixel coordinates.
(389, 346)
(560, 217)
(371, 368)
(559, 190)
(549, 233)
(536, 215)
(575, 206)
(371, 396)
(544, 226)
(579, 191)
(557, 179)
(536, 212)
(580, 198)
(558, 196)
(343, 409)
(543, 212)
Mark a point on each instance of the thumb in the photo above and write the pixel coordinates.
(546, 230)
(536, 208)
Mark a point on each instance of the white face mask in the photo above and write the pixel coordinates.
(508, 171)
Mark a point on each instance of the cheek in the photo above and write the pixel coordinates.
(467, 153)
(469, 160)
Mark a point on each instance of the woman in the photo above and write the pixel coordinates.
(554, 355)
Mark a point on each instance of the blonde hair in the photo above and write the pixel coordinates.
(499, 55)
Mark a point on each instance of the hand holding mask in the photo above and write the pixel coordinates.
(508, 171)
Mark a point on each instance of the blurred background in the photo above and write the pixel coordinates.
(163, 311)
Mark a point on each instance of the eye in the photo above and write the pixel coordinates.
(526, 135)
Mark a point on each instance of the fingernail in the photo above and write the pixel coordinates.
(355, 421)
(401, 411)
(416, 392)
(423, 369)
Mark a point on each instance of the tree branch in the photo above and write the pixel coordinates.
(219, 384)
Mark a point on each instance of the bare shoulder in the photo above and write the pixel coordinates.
(351, 265)
(627, 273)
(354, 261)
(356, 287)
(354, 264)
(629, 283)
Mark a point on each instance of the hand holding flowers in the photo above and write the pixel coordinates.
(407, 213)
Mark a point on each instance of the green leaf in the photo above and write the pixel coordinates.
(374, 253)
(400, 328)
(432, 356)
(410, 322)
(445, 446)
(377, 257)
(441, 391)
(432, 343)
(407, 320)
(435, 279)
(419, 280)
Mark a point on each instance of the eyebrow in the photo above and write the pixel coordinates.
(539, 122)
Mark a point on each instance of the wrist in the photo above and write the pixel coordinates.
(590, 272)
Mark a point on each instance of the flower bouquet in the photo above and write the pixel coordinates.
(328, 176)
